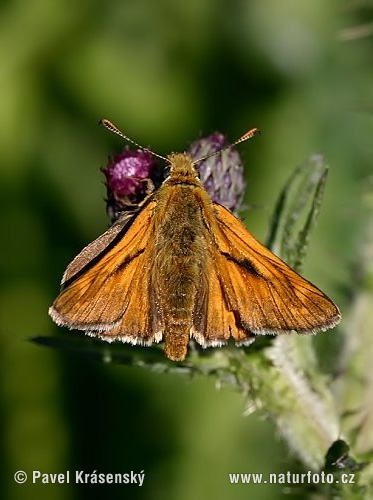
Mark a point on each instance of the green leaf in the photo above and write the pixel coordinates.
(296, 211)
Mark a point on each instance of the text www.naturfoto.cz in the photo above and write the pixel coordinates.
(292, 478)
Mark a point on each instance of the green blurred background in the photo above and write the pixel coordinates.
(166, 72)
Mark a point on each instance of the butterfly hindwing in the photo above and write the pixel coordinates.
(214, 321)
(141, 322)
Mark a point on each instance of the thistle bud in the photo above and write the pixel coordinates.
(222, 174)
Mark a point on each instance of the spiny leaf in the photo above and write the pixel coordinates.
(289, 235)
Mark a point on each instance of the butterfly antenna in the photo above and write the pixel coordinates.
(110, 126)
(245, 137)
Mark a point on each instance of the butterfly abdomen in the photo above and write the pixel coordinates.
(179, 264)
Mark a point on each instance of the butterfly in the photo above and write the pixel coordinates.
(184, 267)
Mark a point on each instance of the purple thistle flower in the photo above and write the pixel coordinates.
(130, 177)
(222, 174)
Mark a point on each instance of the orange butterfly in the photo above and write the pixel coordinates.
(185, 267)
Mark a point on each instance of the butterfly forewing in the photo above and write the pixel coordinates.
(265, 293)
(99, 296)
(97, 249)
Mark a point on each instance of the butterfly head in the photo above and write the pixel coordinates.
(182, 167)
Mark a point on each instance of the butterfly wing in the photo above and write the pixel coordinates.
(95, 250)
(112, 289)
(214, 321)
(251, 291)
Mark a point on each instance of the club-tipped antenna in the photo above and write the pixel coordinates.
(110, 126)
(245, 137)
